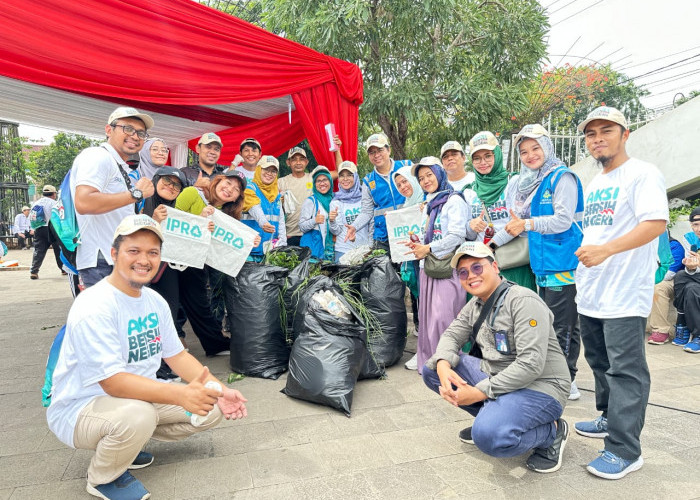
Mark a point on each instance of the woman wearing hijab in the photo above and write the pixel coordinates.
(344, 209)
(262, 208)
(153, 155)
(544, 206)
(315, 210)
(225, 193)
(488, 202)
(444, 220)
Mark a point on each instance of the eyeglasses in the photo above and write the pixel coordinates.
(375, 152)
(162, 151)
(129, 130)
(170, 183)
(484, 159)
(463, 272)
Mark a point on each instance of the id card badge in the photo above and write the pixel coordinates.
(500, 339)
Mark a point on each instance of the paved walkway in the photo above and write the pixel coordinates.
(400, 443)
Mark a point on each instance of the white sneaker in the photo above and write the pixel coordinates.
(574, 393)
(412, 364)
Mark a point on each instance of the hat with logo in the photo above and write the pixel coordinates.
(172, 172)
(132, 223)
(25, 207)
(48, 188)
(604, 113)
(235, 174)
(531, 131)
(129, 112)
(250, 140)
(210, 137)
(450, 146)
(483, 140)
(473, 249)
(269, 161)
(297, 151)
(320, 169)
(347, 165)
(377, 141)
(426, 161)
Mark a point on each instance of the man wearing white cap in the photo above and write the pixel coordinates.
(22, 229)
(105, 393)
(39, 218)
(453, 159)
(625, 212)
(208, 150)
(103, 193)
(517, 384)
(295, 188)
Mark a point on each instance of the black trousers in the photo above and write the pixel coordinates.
(42, 242)
(686, 290)
(195, 301)
(561, 300)
(168, 286)
(25, 242)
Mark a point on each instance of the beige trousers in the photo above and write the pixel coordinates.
(117, 429)
(663, 314)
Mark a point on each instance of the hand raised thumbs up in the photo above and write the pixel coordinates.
(515, 225)
(333, 214)
(478, 224)
(320, 218)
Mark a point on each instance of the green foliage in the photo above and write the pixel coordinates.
(682, 100)
(435, 68)
(674, 213)
(51, 164)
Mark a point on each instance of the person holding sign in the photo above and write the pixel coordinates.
(344, 209)
(445, 217)
(224, 193)
(314, 219)
(262, 208)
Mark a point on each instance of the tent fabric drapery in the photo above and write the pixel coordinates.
(181, 58)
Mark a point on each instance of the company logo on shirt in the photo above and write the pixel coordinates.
(351, 214)
(144, 338)
(600, 207)
(547, 196)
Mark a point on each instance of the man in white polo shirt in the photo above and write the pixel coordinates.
(453, 158)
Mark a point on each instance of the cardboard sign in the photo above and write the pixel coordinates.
(400, 225)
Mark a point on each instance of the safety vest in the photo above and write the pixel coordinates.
(554, 253)
(272, 210)
(386, 197)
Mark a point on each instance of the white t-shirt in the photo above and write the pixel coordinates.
(463, 182)
(248, 174)
(614, 204)
(347, 213)
(96, 167)
(107, 332)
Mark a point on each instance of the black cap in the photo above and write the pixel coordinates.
(237, 175)
(175, 172)
(694, 215)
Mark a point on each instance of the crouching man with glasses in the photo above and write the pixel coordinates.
(515, 381)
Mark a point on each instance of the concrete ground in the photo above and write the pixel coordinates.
(400, 443)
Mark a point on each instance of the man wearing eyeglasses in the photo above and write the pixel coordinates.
(209, 151)
(518, 386)
(104, 194)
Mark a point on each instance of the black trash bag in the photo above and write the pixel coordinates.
(328, 352)
(296, 277)
(383, 294)
(258, 344)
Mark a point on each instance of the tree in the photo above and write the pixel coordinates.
(451, 66)
(51, 164)
(693, 94)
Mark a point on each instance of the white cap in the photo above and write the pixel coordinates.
(296, 150)
(210, 137)
(483, 140)
(347, 165)
(426, 161)
(129, 112)
(269, 161)
(473, 249)
(604, 113)
(132, 223)
(531, 131)
(377, 141)
(450, 146)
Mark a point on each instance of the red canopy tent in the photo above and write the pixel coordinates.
(67, 64)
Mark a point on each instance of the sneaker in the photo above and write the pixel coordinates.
(165, 373)
(125, 487)
(693, 346)
(610, 466)
(143, 459)
(574, 393)
(220, 353)
(658, 338)
(465, 435)
(34, 276)
(412, 364)
(597, 428)
(549, 459)
(682, 335)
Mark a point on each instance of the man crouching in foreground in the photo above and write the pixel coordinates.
(106, 396)
(518, 389)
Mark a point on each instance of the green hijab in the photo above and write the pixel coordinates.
(489, 187)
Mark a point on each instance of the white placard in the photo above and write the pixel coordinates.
(399, 224)
(185, 238)
(231, 243)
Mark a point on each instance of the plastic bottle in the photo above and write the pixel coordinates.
(198, 420)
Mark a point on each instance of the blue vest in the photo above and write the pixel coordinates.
(554, 253)
(272, 212)
(386, 197)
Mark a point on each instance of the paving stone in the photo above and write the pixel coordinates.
(212, 476)
(22, 440)
(284, 465)
(244, 437)
(420, 443)
(33, 468)
(74, 489)
(407, 481)
(352, 454)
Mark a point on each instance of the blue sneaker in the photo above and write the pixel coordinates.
(693, 346)
(610, 466)
(125, 487)
(597, 428)
(682, 335)
(143, 459)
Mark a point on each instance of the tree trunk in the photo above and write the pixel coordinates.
(396, 134)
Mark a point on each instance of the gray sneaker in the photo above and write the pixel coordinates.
(549, 459)
(574, 393)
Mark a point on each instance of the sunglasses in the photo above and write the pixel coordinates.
(463, 272)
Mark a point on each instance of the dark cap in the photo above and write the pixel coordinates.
(174, 172)
(235, 174)
(695, 215)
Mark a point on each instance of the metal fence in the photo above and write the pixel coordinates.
(13, 182)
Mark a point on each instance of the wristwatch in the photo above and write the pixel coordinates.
(136, 194)
(528, 224)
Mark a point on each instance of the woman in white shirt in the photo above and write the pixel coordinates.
(344, 209)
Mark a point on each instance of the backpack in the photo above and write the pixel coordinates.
(64, 224)
(37, 218)
(47, 390)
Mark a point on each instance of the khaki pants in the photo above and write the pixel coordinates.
(117, 429)
(663, 314)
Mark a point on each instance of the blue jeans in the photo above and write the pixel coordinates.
(511, 424)
(91, 275)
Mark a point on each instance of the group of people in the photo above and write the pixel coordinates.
(533, 253)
